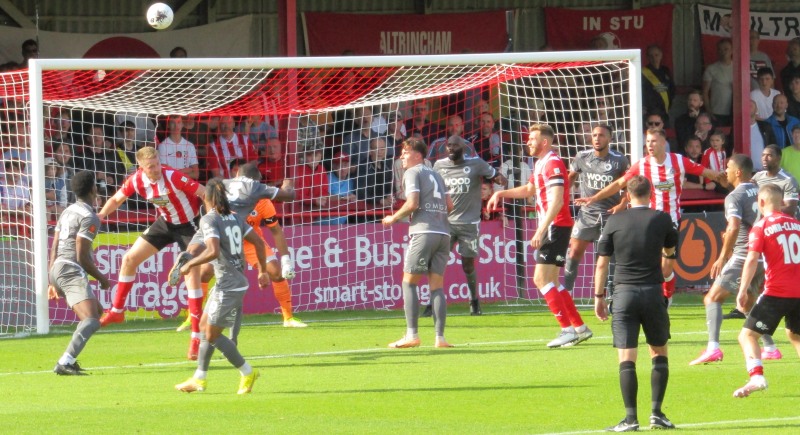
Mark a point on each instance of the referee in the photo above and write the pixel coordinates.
(637, 237)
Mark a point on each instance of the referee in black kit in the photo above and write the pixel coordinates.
(638, 237)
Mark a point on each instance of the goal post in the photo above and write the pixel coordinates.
(345, 258)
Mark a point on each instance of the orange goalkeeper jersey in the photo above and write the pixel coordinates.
(263, 211)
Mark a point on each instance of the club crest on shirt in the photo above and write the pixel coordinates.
(467, 170)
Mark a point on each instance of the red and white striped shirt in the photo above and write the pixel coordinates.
(667, 180)
(223, 152)
(714, 160)
(550, 171)
(173, 194)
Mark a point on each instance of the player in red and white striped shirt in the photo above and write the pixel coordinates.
(177, 198)
(550, 184)
(666, 172)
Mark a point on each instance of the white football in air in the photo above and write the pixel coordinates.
(159, 16)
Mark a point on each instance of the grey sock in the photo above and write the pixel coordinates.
(439, 311)
(228, 348)
(472, 283)
(411, 305)
(714, 320)
(237, 326)
(205, 353)
(767, 340)
(82, 333)
(571, 272)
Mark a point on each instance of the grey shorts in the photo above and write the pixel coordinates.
(731, 276)
(639, 306)
(71, 282)
(466, 235)
(223, 306)
(587, 227)
(427, 253)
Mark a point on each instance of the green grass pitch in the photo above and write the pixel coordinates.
(337, 376)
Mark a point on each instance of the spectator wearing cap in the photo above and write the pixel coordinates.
(455, 131)
(374, 182)
(273, 165)
(177, 152)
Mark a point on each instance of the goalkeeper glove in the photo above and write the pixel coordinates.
(287, 267)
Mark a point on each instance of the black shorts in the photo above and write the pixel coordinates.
(633, 306)
(554, 247)
(768, 311)
(162, 233)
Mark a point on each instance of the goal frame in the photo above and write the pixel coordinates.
(36, 104)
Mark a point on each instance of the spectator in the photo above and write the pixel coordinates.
(655, 120)
(227, 147)
(790, 158)
(127, 146)
(178, 53)
(487, 144)
(758, 60)
(145, 126)
(30, 50)
(60, 127)
(793, 96)
(782, 123)
(311, 181)
(420, 124)
(62, 153)
(200, 134)
(764, 93)
(396, 132)
(273, 166)
(356, 144)
(792, 68)
(684, 124)
(374, 183)
(718, 84)
(55, 190)
(761, 135)
(715, 158)
(517, 175)
(177, 152)
(100, 157)
(487, 189)
(658, 89)
(473, 127)
(255, 126)
(15, 195)
(703, 128)
(693, 150)
(341, 185)
(455, 127)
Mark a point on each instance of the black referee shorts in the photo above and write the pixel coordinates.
(162, 233)
(634, 306)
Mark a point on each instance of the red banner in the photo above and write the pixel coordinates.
(573, 29)
(329, 34)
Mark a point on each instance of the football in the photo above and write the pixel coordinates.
(159, 16)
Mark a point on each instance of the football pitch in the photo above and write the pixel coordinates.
(338, 376)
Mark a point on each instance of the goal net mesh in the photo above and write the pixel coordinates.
(337, 132)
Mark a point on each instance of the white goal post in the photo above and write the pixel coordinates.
(318, 102)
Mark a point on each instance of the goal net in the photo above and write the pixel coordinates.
(334, 126)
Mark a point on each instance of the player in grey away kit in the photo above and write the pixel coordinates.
(71, 259)
(223, 233)
(463, 178)
(594, 169)
(427, 205)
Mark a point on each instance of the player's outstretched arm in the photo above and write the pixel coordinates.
(500, 180)
(518, 192)
(112, 204)
(83, 246)
(286, 191)
(607, 191)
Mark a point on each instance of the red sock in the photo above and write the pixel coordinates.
(570, 308)
(195, 310)
(756, 371)
(123, 288)
(669, 285)
(556, 305)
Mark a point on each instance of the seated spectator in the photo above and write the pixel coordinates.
(62, 153)
(703, 128)
(487, 144)
(341, 185)
(273, 165)
(101, 158)
(311, 181)
(715, 159)
(254, 126)
(658, 89)
(145, 126)
(781, 122)
(486, 192)
(455, 128)
(396, 132)
(374, 182)
(693, 150)
(684, 124)
(127, 146)
(356, 143)
(227, 147)
(790, 159)
(200, 134)
(793, 96)
(55, 190)
(655, 120)
(15, 194)
(177, 152)
(420, 124)
(765, 93)
(59, 128)
(792, 68)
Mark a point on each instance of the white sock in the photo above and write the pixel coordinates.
(200, 374)
(245, 369)
(568, 329)
(770, 348)
(712, 346)
(66, 359)
(195, 335)
(581, 328)
(411, 333)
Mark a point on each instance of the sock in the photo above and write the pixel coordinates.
(669, 285)
(629, 386)
(195, 309)
(713, 321)
(569, 305)
(769, 343)
(472, 283)
(439, 311)
(200, 374)
(284, 297)
(124, 286)
(754, 367)
(411, 306)
(82, 333)
(658, 382)
(245, 369)
(226, 346)
(236, 327)
(571, 272)
(554, 302)
(204, 355)
(66, 359)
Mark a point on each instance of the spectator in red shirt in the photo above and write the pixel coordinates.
(273, 166)
(311, 180)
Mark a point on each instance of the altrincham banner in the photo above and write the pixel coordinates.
(331, 34)
(574, 29)
(774, 28)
